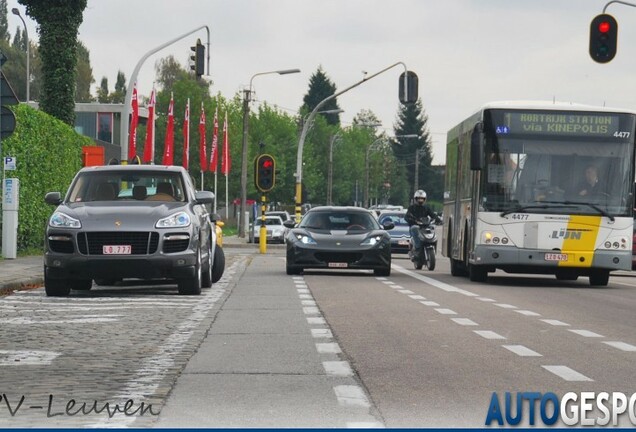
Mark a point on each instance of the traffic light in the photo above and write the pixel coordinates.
(198, 59)
(410, 96)
(603, 38)
(265, 173)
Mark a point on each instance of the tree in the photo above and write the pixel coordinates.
(84, 75)
(102, 92)
(169, 71)
(58, 24)
(321, 87)
(413, 121)
(17, 40)
(4, 23)
(119, 95)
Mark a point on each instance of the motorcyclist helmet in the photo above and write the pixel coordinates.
(419, 196)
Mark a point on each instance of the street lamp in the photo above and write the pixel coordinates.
(26, 34)
(332, 141)
(246, 108)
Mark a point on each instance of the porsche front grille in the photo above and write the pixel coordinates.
(142, 243)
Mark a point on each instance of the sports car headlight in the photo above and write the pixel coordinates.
(371, 241)
(177, 220)
(61, 220)
(305, 239)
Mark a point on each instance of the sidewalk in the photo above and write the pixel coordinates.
(26, 272)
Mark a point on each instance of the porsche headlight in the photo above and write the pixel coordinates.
(371, 241)
(177, 220)
(61, 220)
(305, 239)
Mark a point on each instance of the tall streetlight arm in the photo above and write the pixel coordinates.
(133, 78)
(303, 135)
(16, 11)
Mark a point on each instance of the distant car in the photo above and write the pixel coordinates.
(284, 214)
(274, 228)
(339, 238)
(400, 235)
(129, 221)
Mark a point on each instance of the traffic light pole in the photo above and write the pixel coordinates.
(618, 1)
(125, 114)
(312, 115)
(262, 236)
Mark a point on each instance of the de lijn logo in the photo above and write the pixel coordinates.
(573, 409)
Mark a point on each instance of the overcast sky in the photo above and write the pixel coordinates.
(465, 52)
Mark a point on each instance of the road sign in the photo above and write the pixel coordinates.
(7, 94)
(9, 163)
(7, 122)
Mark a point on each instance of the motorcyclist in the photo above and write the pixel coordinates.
(417, 214)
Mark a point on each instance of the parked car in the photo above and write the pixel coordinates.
(400, 235)
(284, 214)
(339, 238)
(274, 228)
(129, 221)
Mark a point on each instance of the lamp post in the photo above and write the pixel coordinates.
(332, 141)
(246, 108)
(26, 34)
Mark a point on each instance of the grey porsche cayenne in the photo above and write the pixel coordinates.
(129, 221)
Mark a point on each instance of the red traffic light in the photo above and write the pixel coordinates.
(267, 163)
(603, 38)
(604, 27)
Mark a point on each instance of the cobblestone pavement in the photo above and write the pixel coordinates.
(65, 362)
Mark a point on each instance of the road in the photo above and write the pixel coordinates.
(324, 349)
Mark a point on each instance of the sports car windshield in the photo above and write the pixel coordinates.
(352, 221)
(127, 185)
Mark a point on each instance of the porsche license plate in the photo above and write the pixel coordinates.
(117, 249)
(556, 257)
(403, 242)
(338, 265)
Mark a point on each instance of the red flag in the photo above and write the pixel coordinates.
(149, 146)
(214, 156)
(203, 152)
(186, 137)
(168, 150)
(225, 161)
(132, 136)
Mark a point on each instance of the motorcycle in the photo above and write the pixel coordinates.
(426, 253)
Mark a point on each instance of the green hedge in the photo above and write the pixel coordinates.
(48, 154)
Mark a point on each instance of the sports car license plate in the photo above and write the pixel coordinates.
(403, 242)
(338, 265)
(117, 249)
(556, 257)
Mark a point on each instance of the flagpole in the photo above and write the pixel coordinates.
(216, 200)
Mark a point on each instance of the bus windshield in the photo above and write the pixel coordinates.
(545, 162)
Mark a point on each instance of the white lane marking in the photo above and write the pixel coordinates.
(321, 333)
(469, 294)
(381, 278)
(364, 425)
(351, 395)
(316, 320)
(397, 287)
(506, 306)
(528, 313)
(92, 309)
(337, 368)
(567, 373)
(297, 278)
(99, 301)
(96, 305)
(433, 282)
(303, 291)
(26, 357)
(446, 311)
(305, 296)
(405, 291)
(328, 348)
(488, 334)
(522, 351)
(621, 346)
(486, 299)
(308, 302)
(388, 282)
(464, 321)
(311, 310)
(586, 333)
(429, 303)
(555, 322)
(417, 297)
(301, 286)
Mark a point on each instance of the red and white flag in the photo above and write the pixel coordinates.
(186, 136)
(225, 161)
(132, 136)
(203, 152)
(214, 156)
(149, 146)
(168, 150)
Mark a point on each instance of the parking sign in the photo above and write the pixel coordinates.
(9, 163)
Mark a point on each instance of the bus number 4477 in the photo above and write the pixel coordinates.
(625, 134)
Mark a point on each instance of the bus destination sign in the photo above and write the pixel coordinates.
(563, 124)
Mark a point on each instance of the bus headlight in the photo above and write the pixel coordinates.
(495, 238)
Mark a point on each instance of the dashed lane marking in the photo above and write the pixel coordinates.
(464, 321)
(586, 333)
(337, 368)
(555, 322)
(489, 334)
(27, 358)
(567, 373)
(621, 346)
(522, 351)
(351, 395)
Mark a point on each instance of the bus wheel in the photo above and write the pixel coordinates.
(477, 273)
(456, 268)
(599, 277)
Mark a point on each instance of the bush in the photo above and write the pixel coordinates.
(48, 154)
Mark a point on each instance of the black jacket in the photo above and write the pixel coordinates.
(420, 213)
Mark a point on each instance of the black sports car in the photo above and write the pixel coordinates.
(339, 238)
